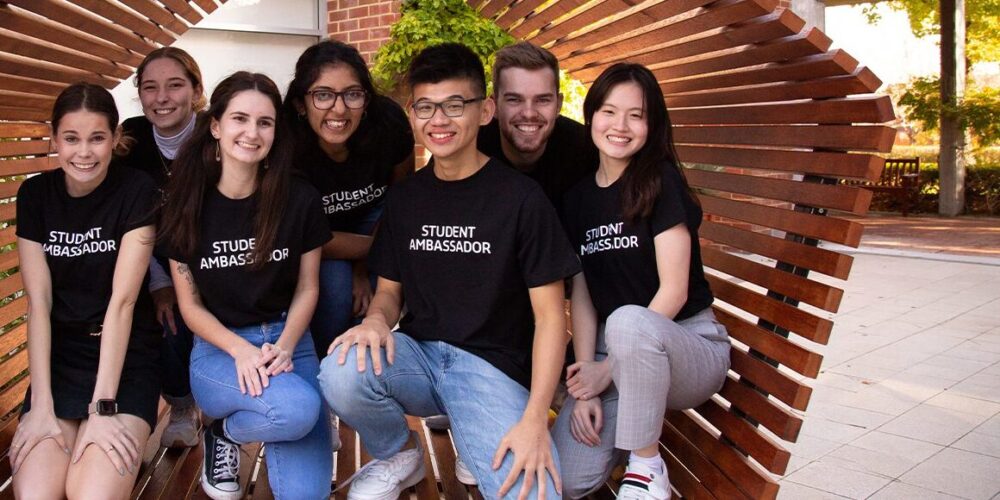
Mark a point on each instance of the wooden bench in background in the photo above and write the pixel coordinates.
(761, 112)
(901, 179)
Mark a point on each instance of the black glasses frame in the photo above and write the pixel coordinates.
(440, 105)
(337, 95)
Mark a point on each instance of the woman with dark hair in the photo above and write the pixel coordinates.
(644, 341)
(170, 90)
(351, 144)
(85, 234)
(244, 242)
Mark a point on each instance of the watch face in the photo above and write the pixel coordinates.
(107, 407)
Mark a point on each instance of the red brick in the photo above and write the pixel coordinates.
(340, 36)
(358, 12)
(379, 33)
(389, 19)
(349, 25)
(338, 15)
(369, 22)
(358, 36)
(347, 4)
(371, 46)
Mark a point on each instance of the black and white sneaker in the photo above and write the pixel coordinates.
(220, 473)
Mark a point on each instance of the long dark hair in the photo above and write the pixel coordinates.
(641, 179)
(196, 171)
(377, 125)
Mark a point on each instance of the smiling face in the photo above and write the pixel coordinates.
(334, 126)
(84, 142)
(167, 95)
(450, 138)
(528, 103)
(246, 129)
(618, 127)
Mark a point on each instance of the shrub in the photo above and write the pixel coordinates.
(982, 190)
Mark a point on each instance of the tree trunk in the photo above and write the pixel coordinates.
(951, 198)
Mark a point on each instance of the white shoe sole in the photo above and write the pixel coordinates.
(215, 494)
(465, 476)
(415, 477)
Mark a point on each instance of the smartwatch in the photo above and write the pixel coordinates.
(103, 407)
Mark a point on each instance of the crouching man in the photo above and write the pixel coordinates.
(476, 251)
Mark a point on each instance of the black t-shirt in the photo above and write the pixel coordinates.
(466, 252)
(81, 238)
(569, 156)
(351, 189)
(143, 153)
(619, 260)
(236, 294)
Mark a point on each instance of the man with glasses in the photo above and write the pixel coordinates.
(476, 251)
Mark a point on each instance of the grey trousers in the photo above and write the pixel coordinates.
(656, 364)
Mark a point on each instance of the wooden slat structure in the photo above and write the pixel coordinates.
(768, 118)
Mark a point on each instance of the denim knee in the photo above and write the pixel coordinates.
(295, 416)
(342, 385)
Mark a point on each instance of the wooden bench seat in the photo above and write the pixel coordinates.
(901, 179)
(773, 122)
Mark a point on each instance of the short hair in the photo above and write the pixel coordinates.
(524, 55)
(187, 62)
(447, 61)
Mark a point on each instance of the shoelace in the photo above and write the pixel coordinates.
(381, 469)
(226, 461)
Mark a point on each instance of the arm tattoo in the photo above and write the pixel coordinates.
(185, 271)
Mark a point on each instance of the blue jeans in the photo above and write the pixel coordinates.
(431, 378)
(335, 307)
(287, 417)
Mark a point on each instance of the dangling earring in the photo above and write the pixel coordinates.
(218, 152)
(265, 163)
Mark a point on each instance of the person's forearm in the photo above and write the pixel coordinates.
(114, 344)
(584, 320)
(385, 307)
(347, 246)
(300, 312)
(39, 353)
(668, 301)
(546, 365)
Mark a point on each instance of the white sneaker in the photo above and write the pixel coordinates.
(640, 483)
(386, 479)
(182, 429)
(463, 474)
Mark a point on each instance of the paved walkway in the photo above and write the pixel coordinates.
(908, 403)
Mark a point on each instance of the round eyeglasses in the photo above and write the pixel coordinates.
(452, 108)
(324, 99)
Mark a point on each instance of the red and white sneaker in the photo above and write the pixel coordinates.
(640, 483)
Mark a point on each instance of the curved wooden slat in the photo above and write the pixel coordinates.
(31, 25)
(88, 23)
(127, 19)
(828, 112)
(829, 164)
(862, 81)
(847, 198)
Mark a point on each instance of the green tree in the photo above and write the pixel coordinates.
(982, 20)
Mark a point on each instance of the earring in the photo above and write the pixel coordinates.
(218, 152)
(265, 163)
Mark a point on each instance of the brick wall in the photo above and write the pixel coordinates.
(362, 23)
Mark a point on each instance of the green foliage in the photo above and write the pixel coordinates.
(982, 22)
(429, 22)
(978, 111)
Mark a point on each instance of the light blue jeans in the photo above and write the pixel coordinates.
(431, 378)
(287, 416)
(334, 309)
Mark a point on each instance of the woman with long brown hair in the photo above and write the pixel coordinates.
(244, 242)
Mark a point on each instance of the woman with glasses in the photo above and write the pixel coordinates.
(351, 144)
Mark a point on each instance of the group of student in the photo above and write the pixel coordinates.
(279, 233)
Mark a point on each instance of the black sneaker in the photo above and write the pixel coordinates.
(220, 474)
